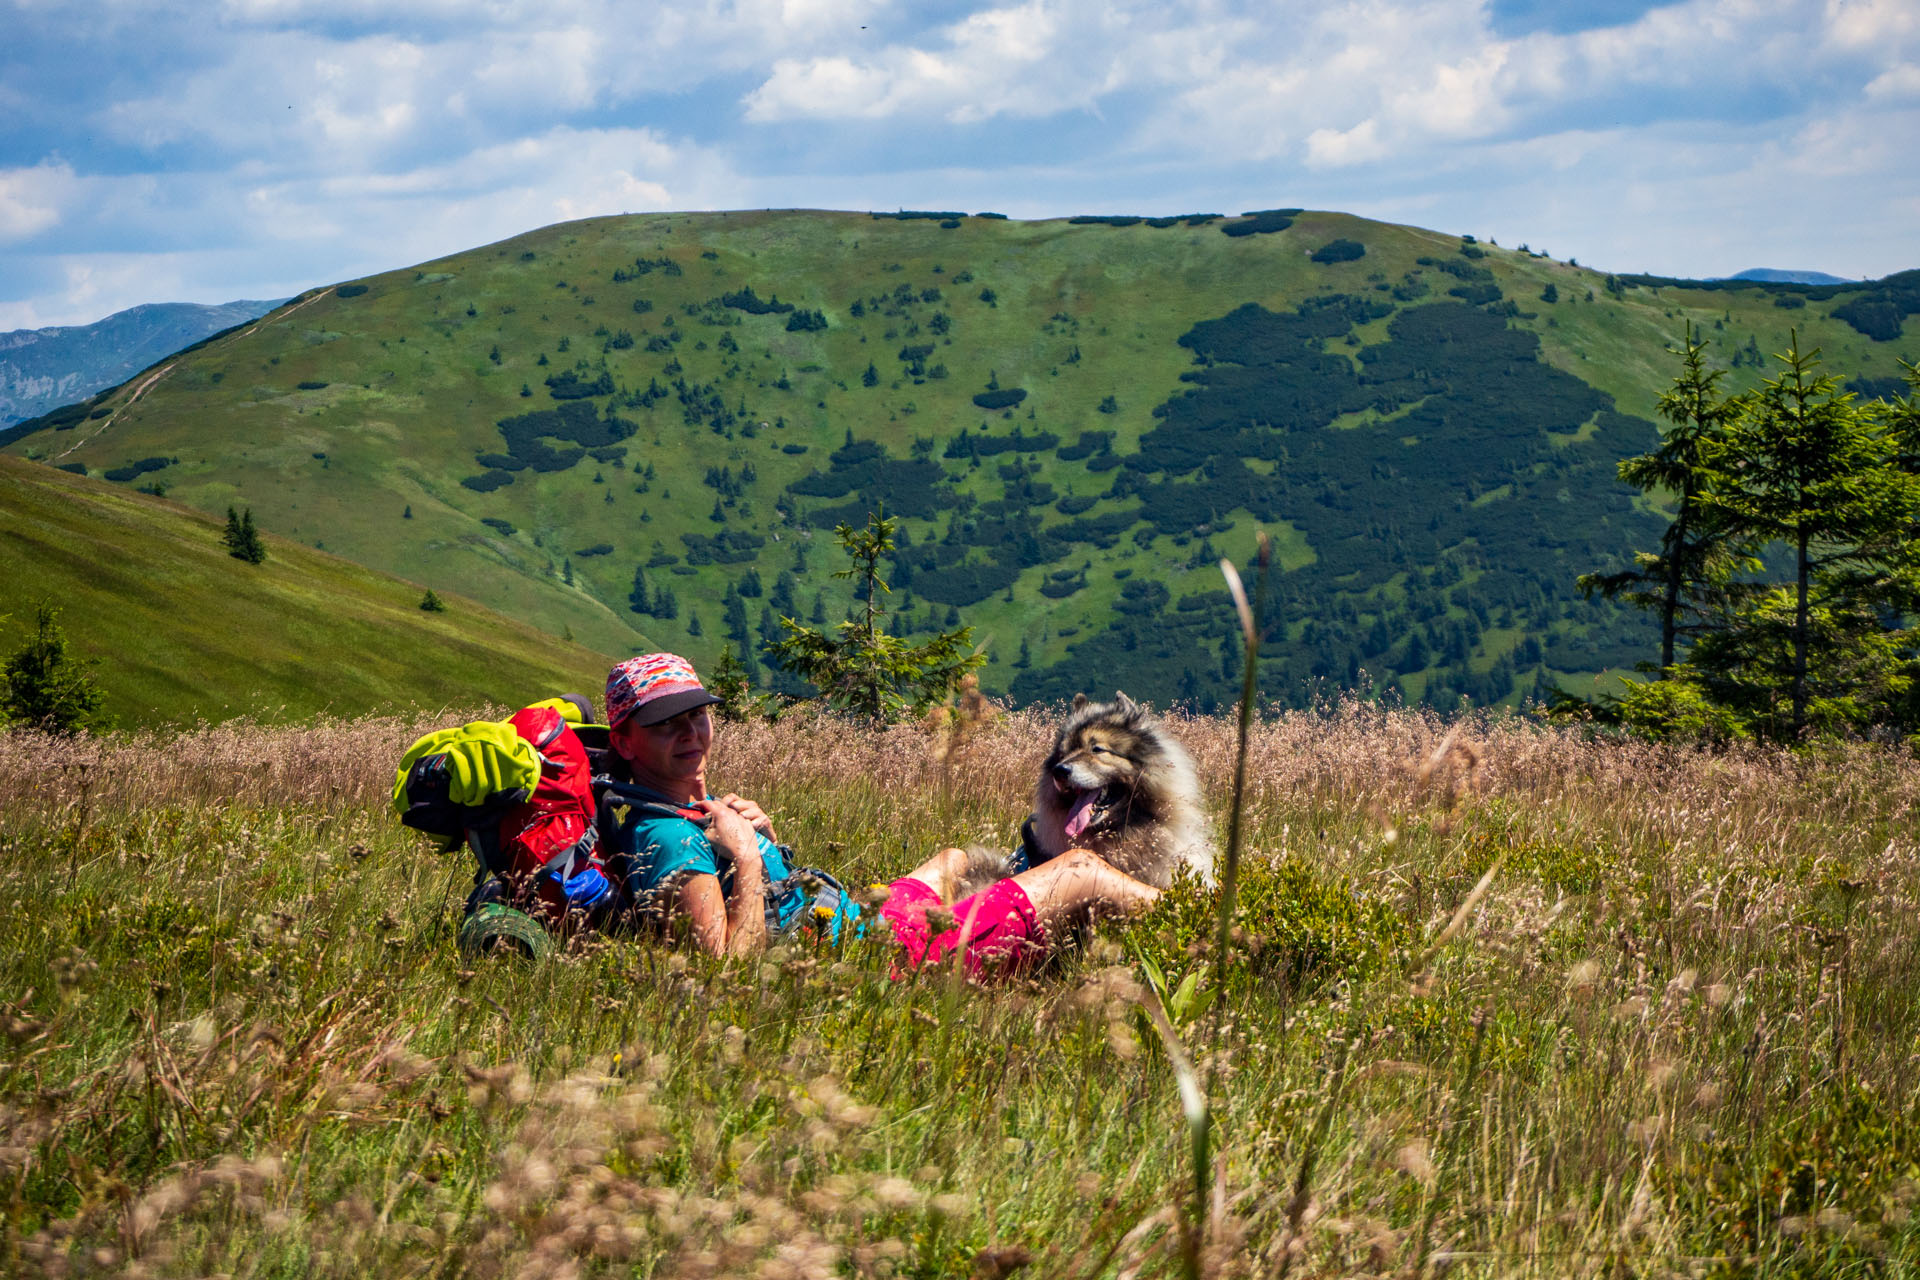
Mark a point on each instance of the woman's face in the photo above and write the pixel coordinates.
(673, 751)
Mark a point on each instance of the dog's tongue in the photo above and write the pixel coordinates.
(1081, 814)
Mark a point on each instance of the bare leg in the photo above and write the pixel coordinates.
(1080, 885)
(941, 873)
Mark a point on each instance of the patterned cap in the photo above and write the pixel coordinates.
(653, 687)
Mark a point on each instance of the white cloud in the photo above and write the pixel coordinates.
(274, 235)
(1330, 148)
(1897, 83)
(298, 141)
(32, 200)
(1033, 59)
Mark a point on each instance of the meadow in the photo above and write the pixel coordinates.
(1674, 1035)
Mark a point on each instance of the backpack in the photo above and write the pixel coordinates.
(526, 809)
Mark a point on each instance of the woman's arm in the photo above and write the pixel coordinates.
(728, 924)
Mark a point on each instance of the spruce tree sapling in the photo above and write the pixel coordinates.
(43, 686)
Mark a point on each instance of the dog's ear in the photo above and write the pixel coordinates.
(1079, 701)
(1123, 704)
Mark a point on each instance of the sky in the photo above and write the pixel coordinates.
(208, 150)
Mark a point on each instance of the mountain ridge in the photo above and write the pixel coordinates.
(42, 369)
(645, 422)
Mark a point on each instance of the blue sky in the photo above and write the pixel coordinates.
(152, 150)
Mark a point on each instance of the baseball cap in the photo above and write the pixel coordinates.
(653, 687)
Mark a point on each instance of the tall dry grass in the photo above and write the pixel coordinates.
(1675, 1036)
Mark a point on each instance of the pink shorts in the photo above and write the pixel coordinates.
(1002, 934)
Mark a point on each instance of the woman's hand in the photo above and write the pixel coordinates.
(752, 812)
(731, 832)
(735, 923)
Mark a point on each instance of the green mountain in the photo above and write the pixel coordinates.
(183, 631)
(41, 369)
(651, 423)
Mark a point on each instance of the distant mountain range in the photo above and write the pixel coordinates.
(43, 368)
(1773, 275)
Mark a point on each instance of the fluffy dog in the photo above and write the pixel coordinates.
(1118, 784)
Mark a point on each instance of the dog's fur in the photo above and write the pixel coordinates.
(1134, 789)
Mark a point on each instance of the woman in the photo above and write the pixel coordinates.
(716, 861)
(689, 854)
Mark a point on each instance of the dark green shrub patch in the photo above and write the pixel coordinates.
(73, 468)
(1063, 582)
(645, 266)
(1261, 222)
(1101, 530)
(1888, 389)
(1459, 270)
(503, 527)
(795, 449)
(730, 546)
(575, 421)
(1005, 398)
(965, 584)
(1106, 220)
(1477, 295)
(1140, 596)
(488, 481)
(597, 549)
(746, 300)
(903, 486)
(1339, 251)
(1877, 318)
(349, 291)
(1089, 443)
(806, 322)
(311, 386)
(134, 470)
(1190, 219)
(1073, 505)
(922, 215)
(970, 444)
(569, 385)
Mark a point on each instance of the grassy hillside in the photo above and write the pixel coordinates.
(1675, 1038)
(183, 631)
(1075, 419)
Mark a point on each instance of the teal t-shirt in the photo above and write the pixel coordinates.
(663, 851)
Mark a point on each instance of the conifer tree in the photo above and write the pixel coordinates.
(1696, 552)
(1809, 468)
(242, 540)
(45, 687)
(862, 670)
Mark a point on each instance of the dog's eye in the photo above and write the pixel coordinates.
(1101, 751)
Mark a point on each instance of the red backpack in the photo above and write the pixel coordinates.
(538, 847)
